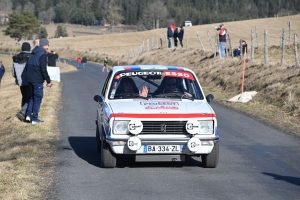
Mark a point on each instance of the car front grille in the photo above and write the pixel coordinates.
(164, 127)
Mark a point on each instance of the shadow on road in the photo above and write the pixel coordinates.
(85, 148)
(289, 179)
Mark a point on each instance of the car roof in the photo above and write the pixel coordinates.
(150, 67)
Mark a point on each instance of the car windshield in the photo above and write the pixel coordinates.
(159, 84)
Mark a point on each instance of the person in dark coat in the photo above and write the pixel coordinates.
(84, 61)
(2, 71)
(170, 36)
(52, 56)
(175, 36)
(180, 35)
(36, 70)
(18, 72)
(222, 38)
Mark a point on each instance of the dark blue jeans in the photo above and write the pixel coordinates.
(37, 93)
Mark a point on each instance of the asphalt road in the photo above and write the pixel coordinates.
(256, 161)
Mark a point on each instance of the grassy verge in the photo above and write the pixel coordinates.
(26, 150)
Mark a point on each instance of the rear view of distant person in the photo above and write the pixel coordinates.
(52, 56)
(180, 35)
(175, 36)
(18, 72)
(169, 36)
(84, 61)
(105, 64)
(2, 72)
(222, 38)
(79, 60)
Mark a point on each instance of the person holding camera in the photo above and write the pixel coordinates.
(222, 38)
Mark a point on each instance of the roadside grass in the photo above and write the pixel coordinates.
(26, 150)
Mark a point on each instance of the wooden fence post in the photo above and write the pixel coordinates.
(208, 34)
(296, 49)
(266, 46)
(215, 48)
(200, 42)
(282, 54)
(290, 24)
(256, 37)
(187, 42)
(230, 44)
(252, 44)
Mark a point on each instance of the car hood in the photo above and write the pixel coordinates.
(162, 109)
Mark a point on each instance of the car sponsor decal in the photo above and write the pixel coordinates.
(161, 107)
(168, 103)
(187, 75)
(141, 73)
(163, 115)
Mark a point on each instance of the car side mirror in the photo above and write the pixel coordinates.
(209, 98)
(97, 98)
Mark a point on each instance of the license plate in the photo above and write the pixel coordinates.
(163, 148)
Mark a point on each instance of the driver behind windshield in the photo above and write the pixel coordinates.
(168, 85)
(127, 86)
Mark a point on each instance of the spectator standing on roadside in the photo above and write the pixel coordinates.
(84, 60)
(180, 35)
(2, 71)
(222, 38)
(79, 60)
(170, 36)
(18, 72)
(52, 56)
(36, 70)
(105, 64)
(244, 47)
(175, 36)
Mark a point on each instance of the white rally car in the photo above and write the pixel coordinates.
(172, 121)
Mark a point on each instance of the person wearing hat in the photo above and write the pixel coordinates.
(37, 74)
(180, 35)
(222, 38)
(18, 72)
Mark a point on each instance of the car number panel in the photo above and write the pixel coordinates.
(163, 148)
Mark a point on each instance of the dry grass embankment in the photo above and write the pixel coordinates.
(26, 150)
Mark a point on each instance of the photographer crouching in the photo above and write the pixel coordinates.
(222, 38)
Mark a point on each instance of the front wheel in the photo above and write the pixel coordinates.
(108, 158)
(211, 160)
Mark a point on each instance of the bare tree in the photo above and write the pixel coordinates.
(114, 16)
(29, 7)
(154, 16)
(47, 16)
(6, 7)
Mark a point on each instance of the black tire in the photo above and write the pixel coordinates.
(211, 160)
(108, 158)
(98, 141)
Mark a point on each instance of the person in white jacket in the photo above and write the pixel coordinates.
(18, 72)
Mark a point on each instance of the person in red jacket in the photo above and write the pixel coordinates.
(79, 61)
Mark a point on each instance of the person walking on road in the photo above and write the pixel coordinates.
(79, 60)
(180, 35)
(105, 64)
(84, 61)
(36, 70)
(18, 72)
(2, 72)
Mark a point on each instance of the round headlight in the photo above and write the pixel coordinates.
(120, 127)
(135, 126)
